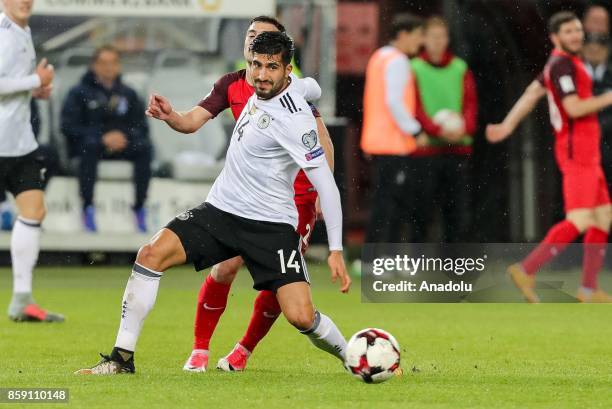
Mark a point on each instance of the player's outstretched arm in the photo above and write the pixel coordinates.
(525, 104)
(184, 122)
(323, 181)
(577, 107)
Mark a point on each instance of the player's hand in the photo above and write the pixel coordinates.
(115, 141)
(318, 211)
(338, 270)
(159, 107)
(45, 72)
(42, 92)
(497, 132)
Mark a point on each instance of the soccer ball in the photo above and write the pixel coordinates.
(372, 355)
(448, 120)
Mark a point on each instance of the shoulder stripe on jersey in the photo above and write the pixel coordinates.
(292, 103)
(286, 104)
(6, 23)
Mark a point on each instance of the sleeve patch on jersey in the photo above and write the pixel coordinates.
(310, 139)
(315, 154)
(567, 84)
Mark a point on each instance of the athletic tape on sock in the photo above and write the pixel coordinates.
(28, 222)
(315, 324)
(147, 273)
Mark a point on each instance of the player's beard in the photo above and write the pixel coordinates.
(274, 90)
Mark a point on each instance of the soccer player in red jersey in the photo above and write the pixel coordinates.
(573, 115)
(232, 91)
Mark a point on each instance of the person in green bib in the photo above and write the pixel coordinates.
(447, 108)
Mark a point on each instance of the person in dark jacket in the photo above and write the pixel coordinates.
(103, 118)
(596, 54)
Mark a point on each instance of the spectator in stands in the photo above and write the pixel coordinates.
(447, 108)
(596, 54)
(390, 130)
(104, 119)
(596, 20)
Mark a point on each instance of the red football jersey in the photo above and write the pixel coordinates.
(576, 139)
(233, 91)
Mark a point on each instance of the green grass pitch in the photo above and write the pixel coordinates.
(454, 355)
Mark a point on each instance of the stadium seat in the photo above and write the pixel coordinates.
(191, 157)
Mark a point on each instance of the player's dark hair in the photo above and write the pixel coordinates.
(102, 49)
(558, 19)
(405, 22)
(269, 20)
(272, 43)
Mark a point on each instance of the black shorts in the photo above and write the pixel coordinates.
(21, 173)
(271, 251)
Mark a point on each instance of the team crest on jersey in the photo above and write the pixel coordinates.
(310, 140)
(185, 215)
(264, 121)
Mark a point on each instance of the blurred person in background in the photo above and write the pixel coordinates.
(596, 54)
(447, 108)
(390, 129)
(22, 172)
(596, 20)
(573, 114)
(103, 118)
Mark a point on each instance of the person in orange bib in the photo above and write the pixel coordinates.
(390, 130)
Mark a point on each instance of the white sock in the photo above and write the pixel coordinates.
(325, 335)
(138, 300)
(25, 245)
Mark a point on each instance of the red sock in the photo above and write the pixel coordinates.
(265, 311)
(211, 304)
(595, 243)
(556, 240)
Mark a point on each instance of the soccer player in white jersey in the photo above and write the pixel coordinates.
(21, 169)
(250, 211)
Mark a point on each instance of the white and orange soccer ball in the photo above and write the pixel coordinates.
(372, 355)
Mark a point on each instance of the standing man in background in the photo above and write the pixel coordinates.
(21, 170)
(442, 166)
(596, 54)
(390, 129)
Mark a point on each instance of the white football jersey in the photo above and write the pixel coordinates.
(271, 141)
(17, 60)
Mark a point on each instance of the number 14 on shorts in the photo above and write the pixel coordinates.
(291, 263)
